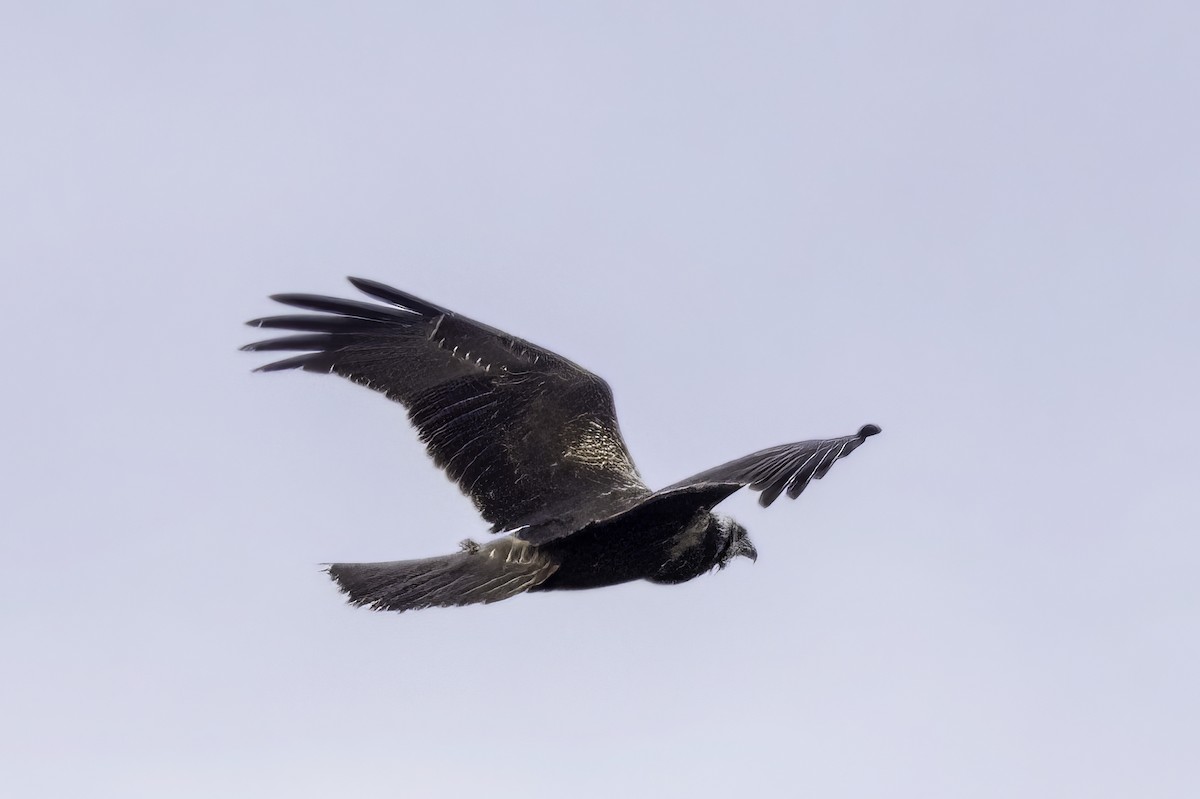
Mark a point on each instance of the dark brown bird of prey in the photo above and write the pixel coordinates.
(533, 440)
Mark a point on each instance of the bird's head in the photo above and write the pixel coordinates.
(736, 541)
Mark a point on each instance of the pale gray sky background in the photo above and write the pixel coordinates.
(975, 224)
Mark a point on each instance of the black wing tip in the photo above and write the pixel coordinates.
(362, 283)
(396, 297)
(868, 430)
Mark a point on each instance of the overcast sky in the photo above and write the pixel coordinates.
(974, 224)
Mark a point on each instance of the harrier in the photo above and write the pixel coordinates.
(533, 440)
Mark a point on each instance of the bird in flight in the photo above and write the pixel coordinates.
(533, 440)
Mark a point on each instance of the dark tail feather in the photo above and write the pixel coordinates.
(478, 574)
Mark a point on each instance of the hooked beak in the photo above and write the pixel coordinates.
(746, 549)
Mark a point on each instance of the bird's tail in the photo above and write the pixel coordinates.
(489, 573)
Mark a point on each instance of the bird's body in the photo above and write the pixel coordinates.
(533, 440)
(659, 544)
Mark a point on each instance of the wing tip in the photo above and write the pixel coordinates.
(396, 297)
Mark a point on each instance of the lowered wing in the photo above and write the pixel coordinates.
(529, 436)
(788, 467)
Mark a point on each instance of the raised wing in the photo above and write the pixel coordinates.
(528, 435)
(788, 467)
